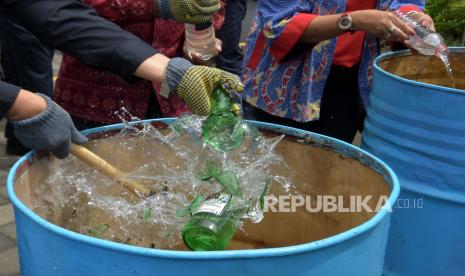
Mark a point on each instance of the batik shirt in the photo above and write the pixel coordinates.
(286, 78)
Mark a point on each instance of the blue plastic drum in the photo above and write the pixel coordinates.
(340, 244)
(418, 129)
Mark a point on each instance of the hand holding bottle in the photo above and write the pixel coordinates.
(424, 20)
(424, 40)
(195, 84)
(188, 11)
(382, 24)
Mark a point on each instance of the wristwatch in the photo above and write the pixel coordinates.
(345, 22)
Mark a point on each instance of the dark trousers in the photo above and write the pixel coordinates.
(230, 58)
(341, 111)
(26, 62)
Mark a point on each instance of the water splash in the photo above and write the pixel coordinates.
(81, 199)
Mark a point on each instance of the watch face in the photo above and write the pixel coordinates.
(345, 23)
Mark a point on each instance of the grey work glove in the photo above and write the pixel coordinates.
(188, 11)
(52, 130)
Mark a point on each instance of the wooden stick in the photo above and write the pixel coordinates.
(105, 168)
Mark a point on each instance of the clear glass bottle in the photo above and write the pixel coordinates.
(425, 41)
(200, 40)
(223, 128)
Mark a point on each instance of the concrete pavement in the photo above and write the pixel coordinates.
(9, 264)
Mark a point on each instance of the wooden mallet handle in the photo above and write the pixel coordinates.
(107, 169)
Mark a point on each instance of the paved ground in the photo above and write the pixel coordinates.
(8, 252)
(9, 264)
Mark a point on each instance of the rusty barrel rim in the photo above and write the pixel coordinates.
(361, 155)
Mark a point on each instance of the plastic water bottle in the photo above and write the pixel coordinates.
(200, 40)
(428, 43)
(425, 41)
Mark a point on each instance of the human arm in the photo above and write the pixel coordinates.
(375, 22)
(8, 94)
(25, 105)
(287, 26)
(38, 122)
(75, 28)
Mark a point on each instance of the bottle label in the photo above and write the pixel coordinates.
(215, 205)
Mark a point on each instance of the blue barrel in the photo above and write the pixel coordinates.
(419, 130)
(47, 249)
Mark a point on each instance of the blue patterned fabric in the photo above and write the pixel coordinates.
(293, 88)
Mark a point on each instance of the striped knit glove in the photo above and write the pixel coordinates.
(52, 130)
(195, 84)
(188, 11)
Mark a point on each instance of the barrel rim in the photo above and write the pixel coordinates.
(389, 174)
(437, 88)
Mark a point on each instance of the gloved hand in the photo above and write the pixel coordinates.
(195, 84)
(188, 11)
(52, 130)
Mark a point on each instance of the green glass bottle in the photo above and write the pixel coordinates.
(213, 223)
(222, 129)
(214, 220)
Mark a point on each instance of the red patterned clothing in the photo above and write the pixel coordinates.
(96, 95)
(349, 45)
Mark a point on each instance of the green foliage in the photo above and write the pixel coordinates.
(449, 19)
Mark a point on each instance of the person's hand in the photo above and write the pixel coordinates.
(195, 84)
(424, 20)
(383, 24)
(51, 130)
(188, 11)
(197, 59)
